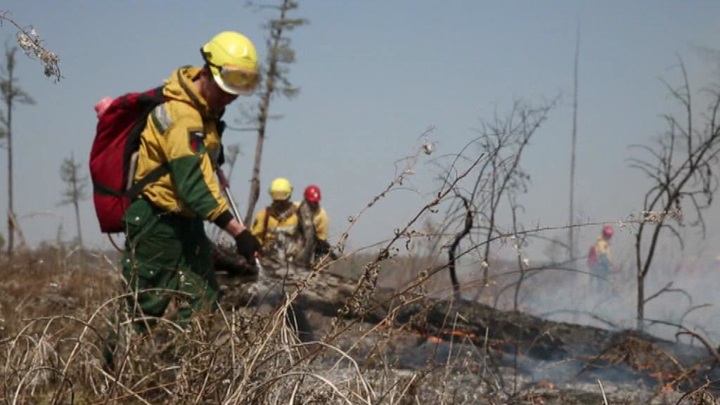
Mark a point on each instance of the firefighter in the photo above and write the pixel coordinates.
(282, 229)
(601, 264)
(167, 258)
(286, 233)
(311, 199)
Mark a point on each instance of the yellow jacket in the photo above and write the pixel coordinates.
(269, 223)
(602, 248)
(320, 222)
(182, 133)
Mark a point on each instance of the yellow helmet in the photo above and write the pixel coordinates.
(280, 189)
(233, 62)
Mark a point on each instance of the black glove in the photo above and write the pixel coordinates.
(224, 259)
(247, 245)
(322, 247)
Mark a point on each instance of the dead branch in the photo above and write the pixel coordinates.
(34, 46)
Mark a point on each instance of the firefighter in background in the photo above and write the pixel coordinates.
(600, 261)
(311, 200)
(287, 235)
(282, 229)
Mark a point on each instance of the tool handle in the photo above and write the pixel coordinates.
(233, 206)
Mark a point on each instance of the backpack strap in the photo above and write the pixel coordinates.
(154, 175)
(265, 222)
(286, 214)
(137, 187)
(280, 216)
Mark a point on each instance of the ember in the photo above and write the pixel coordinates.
(546, 384)
(450, 335)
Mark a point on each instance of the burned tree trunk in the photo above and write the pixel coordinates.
(453, 248)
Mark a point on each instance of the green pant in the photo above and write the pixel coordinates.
(166, 264)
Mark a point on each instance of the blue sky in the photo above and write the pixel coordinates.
(373, 76)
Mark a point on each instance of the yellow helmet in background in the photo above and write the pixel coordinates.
(280, 189)
(233, 62)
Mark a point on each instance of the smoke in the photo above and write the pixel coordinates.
(682, 291)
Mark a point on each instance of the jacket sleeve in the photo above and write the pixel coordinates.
(192, 171)
(258, 225)
(321, 224)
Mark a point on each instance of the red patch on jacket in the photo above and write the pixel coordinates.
(197, 141)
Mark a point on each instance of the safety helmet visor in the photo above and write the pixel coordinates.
(279, 195)
(235, 80)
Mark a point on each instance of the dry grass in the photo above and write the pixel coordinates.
(61, 314)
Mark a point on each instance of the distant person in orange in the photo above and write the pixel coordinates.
(600, 260)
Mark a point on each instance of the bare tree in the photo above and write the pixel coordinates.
(76, 190)
(679, 166)
(275, 82)
(504, 142)
(12, 95)
(499, 177)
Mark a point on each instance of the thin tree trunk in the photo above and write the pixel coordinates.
(453, 248)
(77, 220)
(11, 213)
(640, 302)
(639, 311)
(76, 200)
(254, 194)
(11, 95)
(571, 236)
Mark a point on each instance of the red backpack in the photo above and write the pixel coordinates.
(113, 156)
(592, 257)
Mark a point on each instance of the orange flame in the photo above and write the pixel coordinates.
(546, 384)
(434, 339)
(438, 337)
